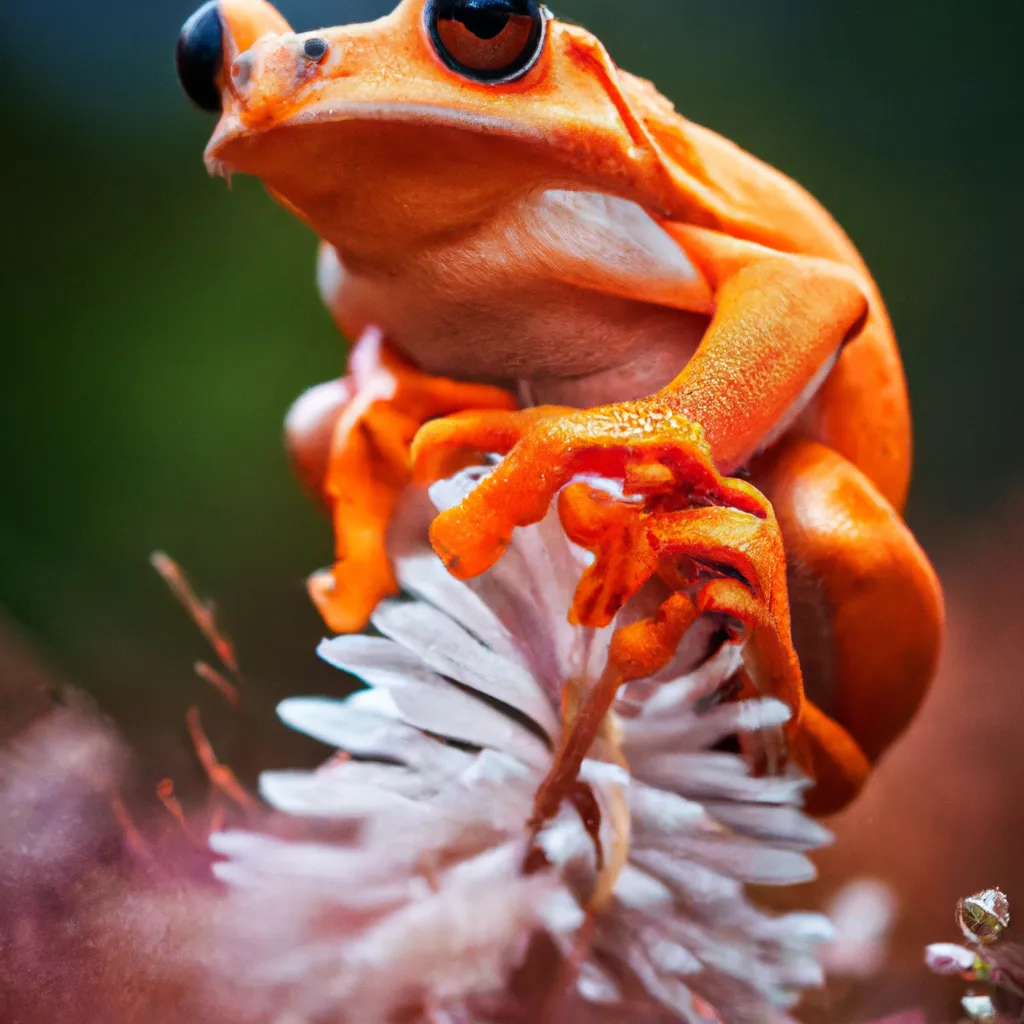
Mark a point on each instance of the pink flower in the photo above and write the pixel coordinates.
(948, 958)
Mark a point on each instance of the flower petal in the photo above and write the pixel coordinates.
(456, 715)
(448, 649)
(346, 790)
(365, 733)
(781, 826)
(704, 731)
(422, 574)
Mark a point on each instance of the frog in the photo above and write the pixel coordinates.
(543, 261)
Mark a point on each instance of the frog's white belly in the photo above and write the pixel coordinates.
(576, 294)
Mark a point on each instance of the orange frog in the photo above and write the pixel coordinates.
(544, 260)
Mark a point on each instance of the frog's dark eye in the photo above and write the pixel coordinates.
(199, 56)
(491, 41)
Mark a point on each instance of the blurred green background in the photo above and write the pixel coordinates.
(157, 326)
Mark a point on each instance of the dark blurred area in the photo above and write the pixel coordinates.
(157, 326)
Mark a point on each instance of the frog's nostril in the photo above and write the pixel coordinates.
(315, 48)
(241, 70)
(199, 56)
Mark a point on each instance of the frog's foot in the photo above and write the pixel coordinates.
(725, 562)
(350, 443)
(362, 487)
(687, 547)
(710, 556)
(657, 454)
(737, 564)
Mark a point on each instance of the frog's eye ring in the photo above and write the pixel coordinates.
(490, 41)
(199, 56)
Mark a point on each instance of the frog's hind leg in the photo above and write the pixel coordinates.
(349, 441)
(350, 462)
(867, 609)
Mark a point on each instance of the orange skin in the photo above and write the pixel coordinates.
(753, 341)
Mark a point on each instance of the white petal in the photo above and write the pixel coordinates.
(715, 776)
(448, 711)
(378, 662)
(449, 650)
(595, 986)
(564, 842)
(799, 930)
(780, 826)
(749, 861)
(638, 890)
(446, 494)
(423, 574)
(672, 958)
(745, 859)
(365, 733)
(680, 693)
(346, 790)
(657, 813)
(704, 731)
(668, 991)
(562, 915)
(269, 856)
(708, 893)
(603, 773)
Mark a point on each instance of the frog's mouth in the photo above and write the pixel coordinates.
(237, 144)
(378, 178)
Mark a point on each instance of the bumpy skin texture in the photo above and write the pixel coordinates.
(781, 362)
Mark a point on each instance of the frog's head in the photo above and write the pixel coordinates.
(415, 126)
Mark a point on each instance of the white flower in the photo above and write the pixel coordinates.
(423, 895)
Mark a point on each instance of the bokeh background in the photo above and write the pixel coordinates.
(157, 326)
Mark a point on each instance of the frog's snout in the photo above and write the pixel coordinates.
(213, 39)
(199, 56)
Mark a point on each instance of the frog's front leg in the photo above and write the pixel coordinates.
(778, 323)
(349, 441)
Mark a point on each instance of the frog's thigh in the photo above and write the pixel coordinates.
(309, 430)
(866, 605)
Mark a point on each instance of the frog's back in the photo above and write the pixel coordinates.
(862, 409)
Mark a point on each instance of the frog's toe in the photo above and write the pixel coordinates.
(346, 594)
(613, 531)
(473, 535)
(442, 446)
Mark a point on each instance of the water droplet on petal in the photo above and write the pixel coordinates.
(984, 916)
